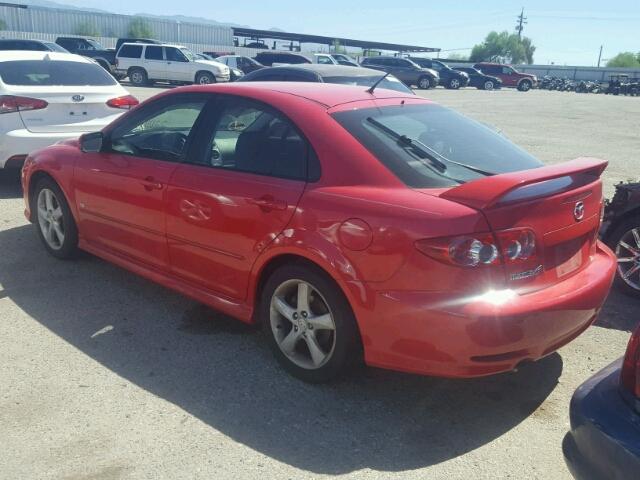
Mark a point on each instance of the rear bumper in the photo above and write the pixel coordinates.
(21, 142)
(437, 333)
(604, 442)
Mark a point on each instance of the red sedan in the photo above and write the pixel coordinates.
(346, 222)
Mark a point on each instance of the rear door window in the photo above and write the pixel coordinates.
(53, 73)
(153, 53)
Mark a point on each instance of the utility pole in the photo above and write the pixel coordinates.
(522, 21)
(599, 56)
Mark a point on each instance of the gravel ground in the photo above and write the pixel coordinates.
(106, 376)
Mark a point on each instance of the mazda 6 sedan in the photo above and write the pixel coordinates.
(349, 222)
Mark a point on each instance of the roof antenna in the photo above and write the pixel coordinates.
(373, 87)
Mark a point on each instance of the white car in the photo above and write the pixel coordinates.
(46, 97)
(146, 63)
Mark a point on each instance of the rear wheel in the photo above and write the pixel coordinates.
(424, 83)
(55, 223)
(625, 242)
(205, 78)
(309, 323)
(138, 77)
(524, 86)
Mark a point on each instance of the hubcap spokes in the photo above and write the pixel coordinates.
(628, 253)
(50, 218)
(302, 324)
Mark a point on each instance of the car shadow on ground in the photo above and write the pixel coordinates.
(221, 372)
(10, 183)
(620, 312)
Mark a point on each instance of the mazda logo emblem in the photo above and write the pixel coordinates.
(578, 211)
(77, 98)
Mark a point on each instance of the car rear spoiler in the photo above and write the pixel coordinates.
(487, 191)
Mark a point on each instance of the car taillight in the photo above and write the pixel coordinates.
(124, 103)
(630, 376)
(509, 246)
(12, 104)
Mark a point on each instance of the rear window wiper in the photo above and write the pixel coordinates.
(424, 151)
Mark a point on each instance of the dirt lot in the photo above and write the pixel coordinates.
(105, 375)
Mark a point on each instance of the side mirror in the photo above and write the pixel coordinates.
(91, 142)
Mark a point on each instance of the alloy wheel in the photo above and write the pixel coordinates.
(50, 218)
(302, 324)
(424, 83)
(455, 83)
(628, 253)
(488, 85)
(136, 78)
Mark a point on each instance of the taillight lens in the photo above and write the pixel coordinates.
(630, 377)
(12, 104)
(124, 103)
(510, 246)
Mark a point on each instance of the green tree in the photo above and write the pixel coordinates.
(457, 56)
(624, 59)
(504, 46)
(3, 24)
(87, 29)
(140, 28)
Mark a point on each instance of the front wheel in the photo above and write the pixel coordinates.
(205, 78)
(625, 242)
(524, 86)
(309, 323)
(454, 84)
(424, 83)
(55, 223)
(488, 85)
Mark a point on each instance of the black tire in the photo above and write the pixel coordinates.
(69, 247)
(424, 83)
(488, 85)
(613, 240)
(346, 349)
(205, 78)
(138, 77)
(454, 84)
(525, 85)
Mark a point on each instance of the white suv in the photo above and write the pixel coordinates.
(146, 63)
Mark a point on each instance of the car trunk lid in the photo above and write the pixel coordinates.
(561, 204)
(69, 109)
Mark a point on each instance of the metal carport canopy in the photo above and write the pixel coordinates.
(347, 42)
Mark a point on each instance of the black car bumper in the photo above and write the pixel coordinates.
(604, 442)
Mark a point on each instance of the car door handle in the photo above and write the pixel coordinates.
(268, 203)
(150, 184)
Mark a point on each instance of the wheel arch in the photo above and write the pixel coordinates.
(632, 212)
(278, 259)
(39, 175)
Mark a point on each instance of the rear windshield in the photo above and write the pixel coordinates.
(429, 146)
(53, 73)
(390, 83)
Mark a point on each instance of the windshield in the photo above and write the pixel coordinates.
(54, 73)
(390, 83)
(189, 54)
(429, 146)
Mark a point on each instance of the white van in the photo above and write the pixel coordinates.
(147, 63)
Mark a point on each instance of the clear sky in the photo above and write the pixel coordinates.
(565, 32)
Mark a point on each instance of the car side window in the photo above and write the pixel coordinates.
(507, 71)
(159, 131)
(174, 55)
(324, 60)
(251, 137)
(130, 51)
(153, 53)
